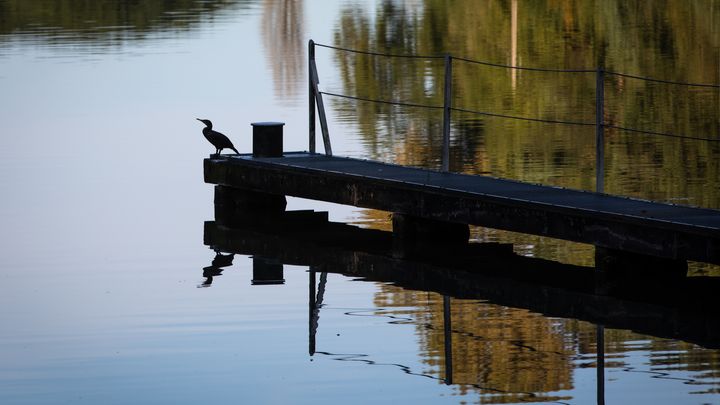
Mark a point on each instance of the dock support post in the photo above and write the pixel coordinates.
(447, 105)
(311, 98)
(599, 131)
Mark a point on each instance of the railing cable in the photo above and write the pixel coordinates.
(477, 62)
(464, 110)
(389, 55)
(500, 65)
(398, 103)
(514, 117)
(650, 79)
(667, 134)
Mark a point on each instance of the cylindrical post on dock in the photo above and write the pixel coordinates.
(268, 139)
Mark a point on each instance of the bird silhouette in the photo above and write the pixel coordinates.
(218, 140)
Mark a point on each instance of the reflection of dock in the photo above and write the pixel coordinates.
(491, 273)
(643, 228)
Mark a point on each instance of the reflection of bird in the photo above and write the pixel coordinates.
(218, 140)
(216, 268)
(222, 260)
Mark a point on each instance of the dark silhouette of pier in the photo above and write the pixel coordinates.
(633, 237)
(487, 271)
(655, 238)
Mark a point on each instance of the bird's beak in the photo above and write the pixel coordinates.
(198, 119)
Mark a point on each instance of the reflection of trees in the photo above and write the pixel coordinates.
(282, 32)
(510, 352)
(104, 22)
(517, 352)
(666, 356)
(673, 40)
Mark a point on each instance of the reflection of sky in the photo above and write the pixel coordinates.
(95, 128)
(102, 211)
(92, 150)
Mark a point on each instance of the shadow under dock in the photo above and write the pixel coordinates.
(492, 272)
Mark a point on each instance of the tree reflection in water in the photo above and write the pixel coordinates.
(106, 24)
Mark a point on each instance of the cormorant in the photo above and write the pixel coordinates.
(218, 140)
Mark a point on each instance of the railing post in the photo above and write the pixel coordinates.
(320, 108)
(311, 98)
(447, 100)
(599, 130)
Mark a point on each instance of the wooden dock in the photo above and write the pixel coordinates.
(622, 224)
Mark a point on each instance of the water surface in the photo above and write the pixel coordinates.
(103, 201)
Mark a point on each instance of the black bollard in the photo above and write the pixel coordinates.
(268, 139)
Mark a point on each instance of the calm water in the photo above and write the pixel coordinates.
(103, 205)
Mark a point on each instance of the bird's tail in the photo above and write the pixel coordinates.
(236, 151)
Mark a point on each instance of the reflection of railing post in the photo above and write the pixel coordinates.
(599, 130)
(600, 334)
(446, 114)
(447, 323)
(311, 312)
(315, 302)
(311, 99)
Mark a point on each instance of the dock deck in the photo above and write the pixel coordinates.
(625, 224)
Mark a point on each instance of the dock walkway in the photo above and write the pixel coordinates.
(625, 224)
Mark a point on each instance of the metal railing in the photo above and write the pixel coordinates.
(316, 97)
(316, 101)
